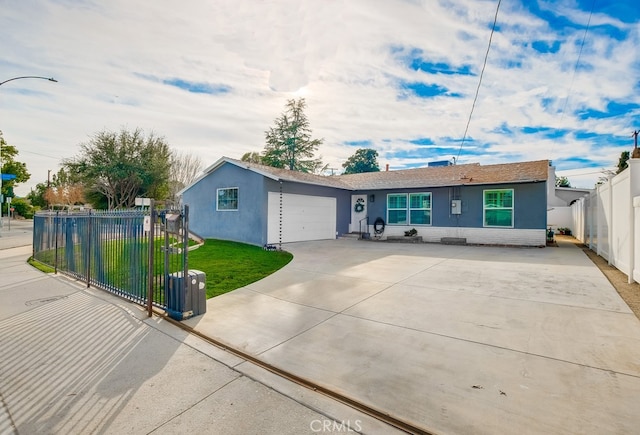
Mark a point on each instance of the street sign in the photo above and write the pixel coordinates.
(7, 177)
(143, 202)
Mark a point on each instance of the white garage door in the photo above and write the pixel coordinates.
(303, 218)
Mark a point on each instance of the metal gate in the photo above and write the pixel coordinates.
(169, 257)
(131, 253)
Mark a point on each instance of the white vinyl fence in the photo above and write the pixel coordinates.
(608, 220)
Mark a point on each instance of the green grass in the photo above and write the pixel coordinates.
(40, 266)
(231, 265)
(227, 265)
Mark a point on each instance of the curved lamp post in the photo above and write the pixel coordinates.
(51, 79)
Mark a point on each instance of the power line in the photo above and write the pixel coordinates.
(575, 68)
(39, 154)
(573, 76)
(475, 98)
(579, 174)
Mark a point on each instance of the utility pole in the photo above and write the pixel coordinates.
(46, 193)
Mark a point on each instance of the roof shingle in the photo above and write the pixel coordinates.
(438, 176)
(456, 175)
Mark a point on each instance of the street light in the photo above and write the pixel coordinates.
(51, 79)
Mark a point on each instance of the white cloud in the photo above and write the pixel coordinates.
(111, 57)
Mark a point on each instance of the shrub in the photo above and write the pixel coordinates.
(23, 208)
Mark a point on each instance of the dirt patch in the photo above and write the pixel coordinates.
(630, 293)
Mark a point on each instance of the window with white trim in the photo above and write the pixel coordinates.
(497, 208)
(227, 199)
(409, 209)
(420, 208)
(397, 209)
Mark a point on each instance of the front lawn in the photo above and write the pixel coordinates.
(231, 265)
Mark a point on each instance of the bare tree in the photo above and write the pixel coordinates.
(65, 195)
(185, 167)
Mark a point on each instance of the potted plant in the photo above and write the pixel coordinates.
(549, 235)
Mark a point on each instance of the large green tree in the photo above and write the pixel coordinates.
(622, 161)
(10, 165)
(120, 166)
(289, 143)
(363, 160)
(37, 195)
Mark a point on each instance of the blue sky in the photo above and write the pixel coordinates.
(561, 80)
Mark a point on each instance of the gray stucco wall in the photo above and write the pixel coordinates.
(530, 210)
(247, 224)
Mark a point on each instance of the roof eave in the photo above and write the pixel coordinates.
(218, 163)
(433, 186)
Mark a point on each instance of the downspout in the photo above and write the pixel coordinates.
(550, 192)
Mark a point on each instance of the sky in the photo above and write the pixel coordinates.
(561, 79)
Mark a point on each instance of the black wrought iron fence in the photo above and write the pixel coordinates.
(131, 253)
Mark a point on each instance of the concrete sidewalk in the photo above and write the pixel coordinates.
(77, 360)
(454, 339)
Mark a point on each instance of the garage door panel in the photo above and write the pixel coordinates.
(304, 217)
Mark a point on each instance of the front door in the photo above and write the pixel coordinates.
(358, 213)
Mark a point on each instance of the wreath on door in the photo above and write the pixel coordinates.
(359, 207)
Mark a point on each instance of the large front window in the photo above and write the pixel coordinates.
(409, 209)
(420, 209)
(498, 208)
(397, 209)
(227, 199)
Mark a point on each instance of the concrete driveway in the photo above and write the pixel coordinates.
(81, 361)
(454, 339)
